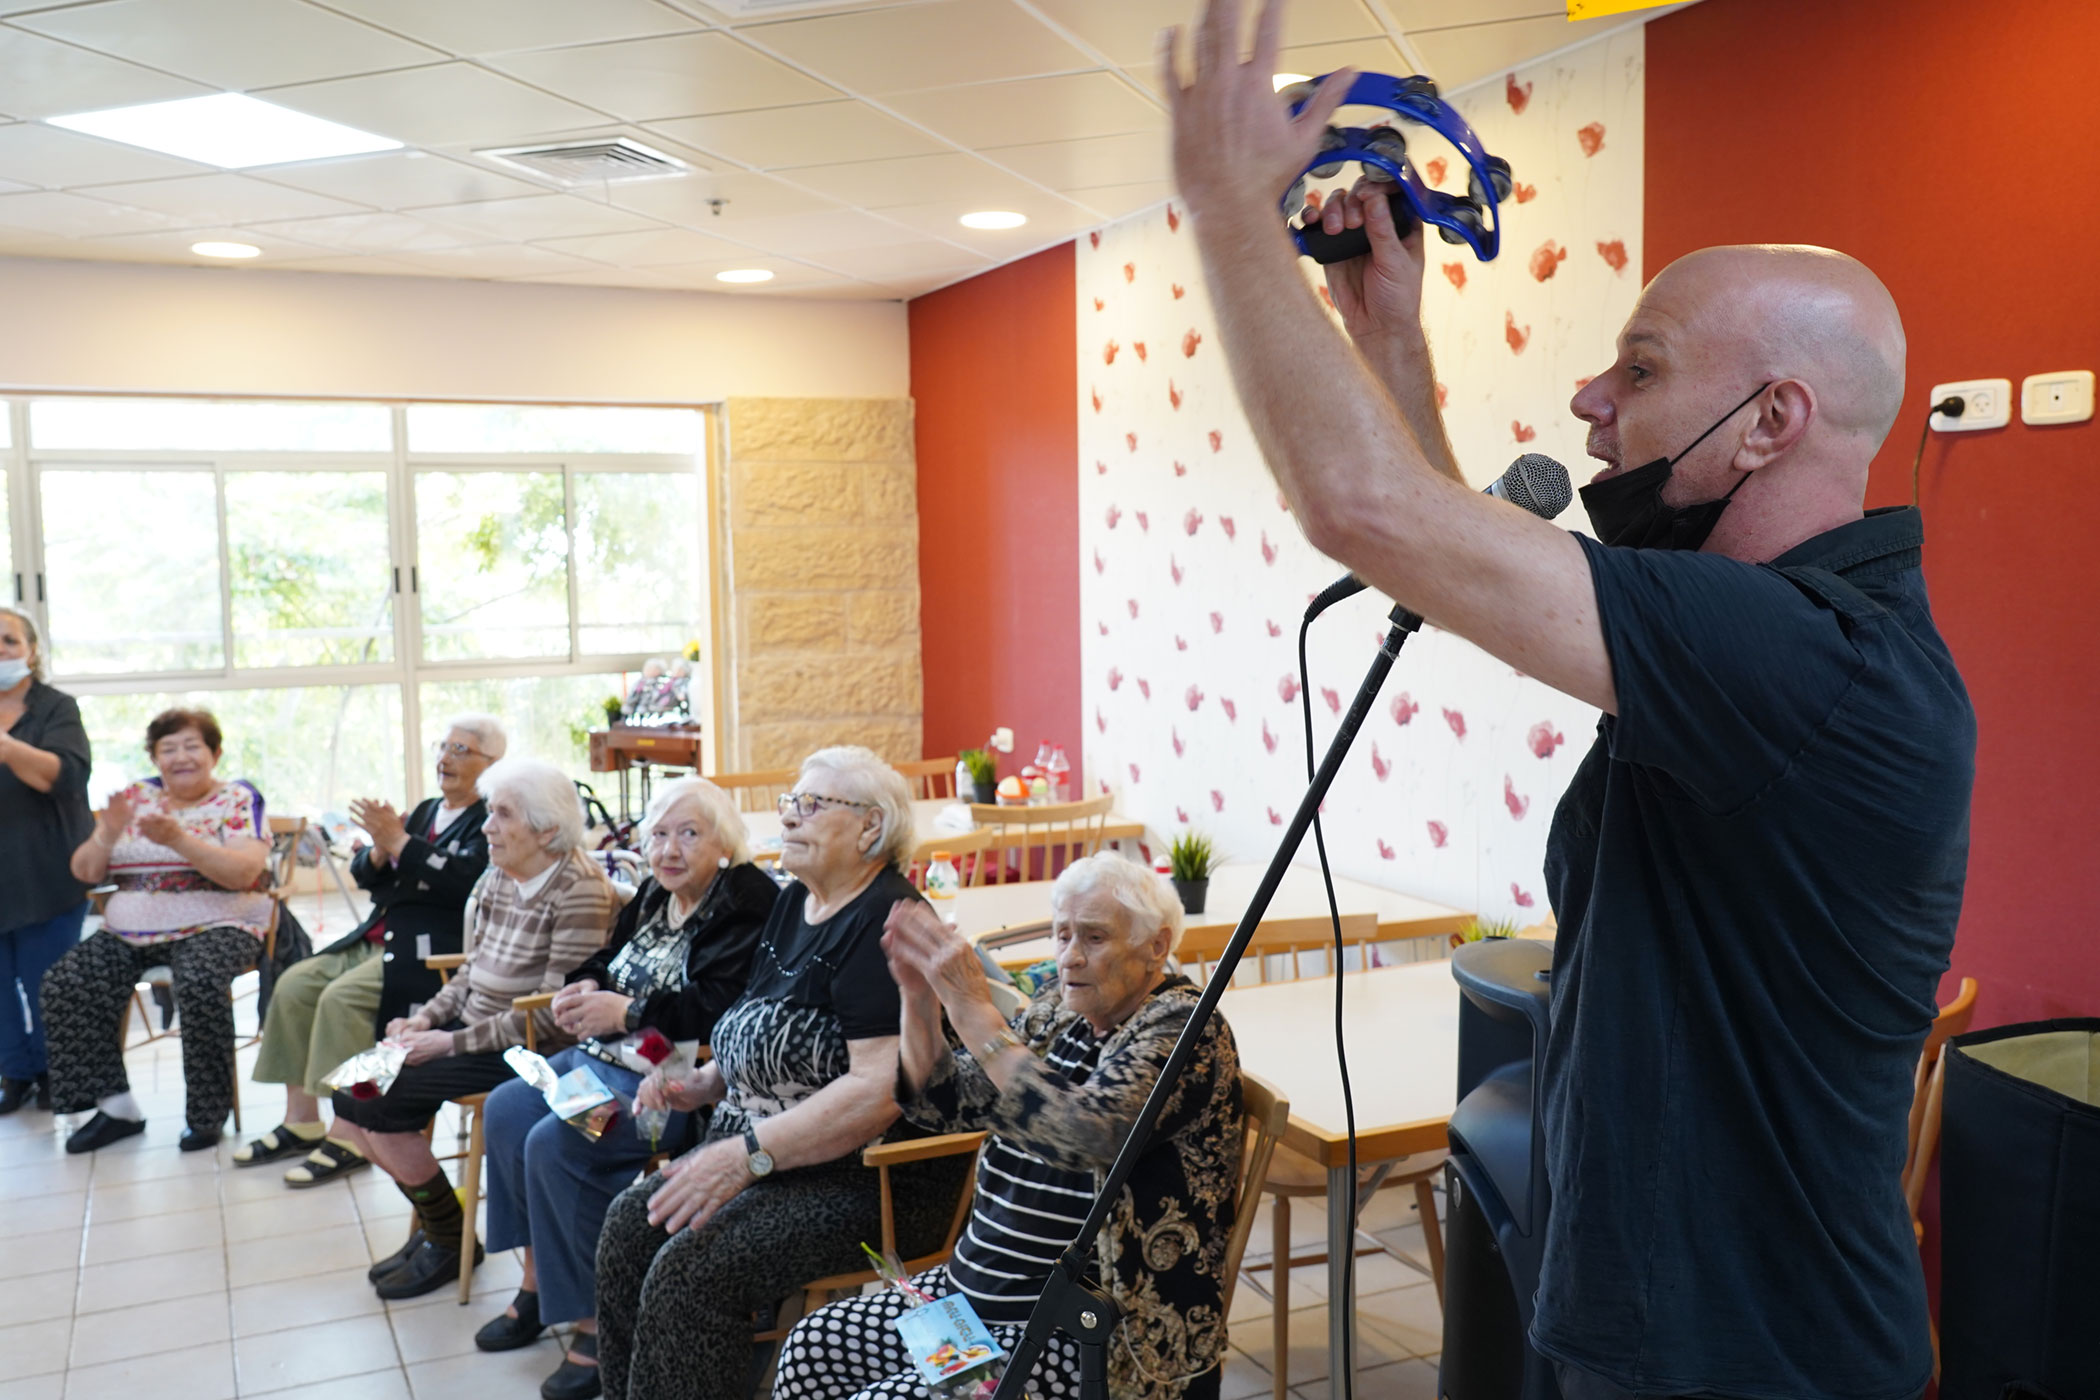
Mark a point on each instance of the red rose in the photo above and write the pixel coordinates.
(653, 1046)
(365, 1089)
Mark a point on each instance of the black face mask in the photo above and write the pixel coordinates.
(1627, 510)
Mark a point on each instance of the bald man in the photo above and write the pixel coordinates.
(1758, 867)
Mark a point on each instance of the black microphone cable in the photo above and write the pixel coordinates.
(1347, 1298)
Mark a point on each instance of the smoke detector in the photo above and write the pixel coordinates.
(594, 162)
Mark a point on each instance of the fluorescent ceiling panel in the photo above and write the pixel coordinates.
(228, 129)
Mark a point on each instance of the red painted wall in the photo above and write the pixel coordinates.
(1948, 145)
(995, 375)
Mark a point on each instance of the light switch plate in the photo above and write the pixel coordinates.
(2065, 396)
(1986, 403)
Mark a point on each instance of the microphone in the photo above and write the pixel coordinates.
(1534, 482)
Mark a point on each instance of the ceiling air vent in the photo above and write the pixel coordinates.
(591, 162)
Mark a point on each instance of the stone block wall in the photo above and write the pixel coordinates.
(821, 526)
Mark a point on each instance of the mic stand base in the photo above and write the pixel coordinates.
(1071, 1305)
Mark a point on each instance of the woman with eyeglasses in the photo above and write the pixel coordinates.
(803, 1076)
(419, 870)
(679, 955)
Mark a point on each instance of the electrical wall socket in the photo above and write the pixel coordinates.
(2065, 396)
(1986, 403)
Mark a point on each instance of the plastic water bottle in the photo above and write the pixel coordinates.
(965, 784)
(942, 878)
(1059, 769)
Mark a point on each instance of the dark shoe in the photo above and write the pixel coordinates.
(328, 1160)
(199, 1139)
(396, 1259)
(428, 1269)
(279, 1142)
(14, 1093)
(506, 1333)
(102, 1130)
(43, 1092)
(574, 1380)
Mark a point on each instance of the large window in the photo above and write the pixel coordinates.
(334, 580)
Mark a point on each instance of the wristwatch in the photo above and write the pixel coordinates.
(759, 1160)
(634, 1013)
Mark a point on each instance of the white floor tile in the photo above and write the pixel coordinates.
(36, 1348)
(31, 1215)
(45, 1176)
(38, 1297)
(434, 1333)
(51, 1387)
(154, 1234)
(157, 1278)
(1402, 1380)
(149, 1329)
(44, 1252)
(299, 1302)
(503, 1373)
(1410, 1316)
(294, 1256)
(165, 1196)
(308, 1355)
(1308, 1345)
(194, 1373)
(391, 1384)
(289, 1213)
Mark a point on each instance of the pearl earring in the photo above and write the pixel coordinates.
(721, 862)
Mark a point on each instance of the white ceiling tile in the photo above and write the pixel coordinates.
(1456, 57)
(1049, 218)
(682, 76)
(369, 234)
(1101, 160)
(638, 278)
(1127, 31)
(174, 246)
(881, 184)
(451, 104)
(912, 260)
(1364, 55)
(472, 27)
(400, 180)
(224, 198)
(745, 197)
(922, 46)
(40, 77)
(494, 260)
(700, 276)
(232, 44)
(71, 216)
(370, 267)
(536, 216)
(814, 235)
(1120, 201)
(55, 158)
(10, 187)
(1006, 114)
(1412, 15)
(649, 248)
(820, 133)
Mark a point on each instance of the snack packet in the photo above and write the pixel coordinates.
(656, 1047)
(954, 1352)
(579, 1098)
(369, 1073)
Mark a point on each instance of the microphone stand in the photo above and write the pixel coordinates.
(1069, 1303)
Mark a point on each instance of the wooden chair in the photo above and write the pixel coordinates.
(1268, 1113)
(1067, 829)
(1288, 940)
(1929, 1088)
(970, 851)
(882, 1156)
(756, 791)
(929, 778)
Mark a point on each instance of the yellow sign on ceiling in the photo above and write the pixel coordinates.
(1593, 9)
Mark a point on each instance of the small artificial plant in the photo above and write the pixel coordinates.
(1192, 857)
(982, 771)
(1473, 930)
(613, 708)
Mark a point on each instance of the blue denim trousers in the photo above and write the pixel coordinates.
(24, 955)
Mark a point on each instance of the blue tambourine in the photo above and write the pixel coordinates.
(1474, 219)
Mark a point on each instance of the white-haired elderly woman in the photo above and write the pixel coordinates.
(1058, 1086)
(679, 955)
(803, 1077)
(541, 908)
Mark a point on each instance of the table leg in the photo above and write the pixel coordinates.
(1341, 1251)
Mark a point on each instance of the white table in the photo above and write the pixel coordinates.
(1401, 1029)
(764, 827)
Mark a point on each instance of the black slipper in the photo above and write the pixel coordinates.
(395, 1260)
(102, 1130)
(572, 1380)
(328, 1160)
(506, 1333)
(279, 1142)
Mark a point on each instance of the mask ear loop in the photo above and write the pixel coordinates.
(1673, 461)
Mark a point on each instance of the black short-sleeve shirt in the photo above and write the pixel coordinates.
(1757, 871)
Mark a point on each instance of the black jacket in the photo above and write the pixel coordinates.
(422, 896)
(718, 962)
(39, 831)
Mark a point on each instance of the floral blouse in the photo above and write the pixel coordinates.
(161, 897)
(1163, 1251)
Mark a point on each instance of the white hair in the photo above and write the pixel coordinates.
(545, 797)
(486, 729)
(715, 805)
(1148, 901)
(864, 777)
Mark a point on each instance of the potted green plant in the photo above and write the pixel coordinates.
(613, 709)
(1191, 858)
(984, 776)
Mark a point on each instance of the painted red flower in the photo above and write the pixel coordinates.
(1194, 697)
(1287, 688)
(1520, 895)
(1108, 352)
(1518, 97)
(1591, 138)
(1193, 521)
(1543, 739)
(1189, 342)
(1438, 834)
(1517, 338)
(1545, 261)
(1457, 720)
(1456, 273)
(1403, 708)
(1518, 805)
(1225, 524)
(1613, 252)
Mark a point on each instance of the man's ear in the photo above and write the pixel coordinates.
(1783, 418)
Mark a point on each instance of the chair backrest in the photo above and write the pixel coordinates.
(968, 848)
(285, 835)
(1278, 946)
(1062, 831)
(929, 777)
(1927, 1087)
(1267, 1112)
(756, 791)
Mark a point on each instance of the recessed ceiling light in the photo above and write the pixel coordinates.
(744, 274)
(1284, 80)
(225, 250)
(993, 218)
(228, 130)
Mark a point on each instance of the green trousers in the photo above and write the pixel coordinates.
(320, 1015)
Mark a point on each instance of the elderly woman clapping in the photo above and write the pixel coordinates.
(803, 1072)
(541, 908)
(1059, 1086)
(679, 955)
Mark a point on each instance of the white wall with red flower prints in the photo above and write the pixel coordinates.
(1194, 575)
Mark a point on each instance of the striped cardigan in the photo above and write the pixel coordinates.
(516, 947)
